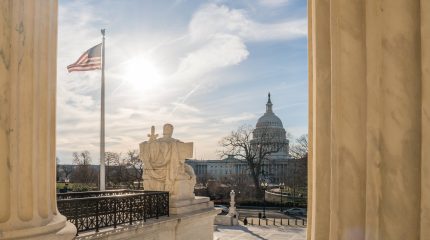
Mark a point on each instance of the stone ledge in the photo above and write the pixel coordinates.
(191, 205)
(173, 227)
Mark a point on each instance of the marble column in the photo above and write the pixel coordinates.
(28, 42)
(369, 79)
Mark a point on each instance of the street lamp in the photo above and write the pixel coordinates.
(264, 187)
(281, 187)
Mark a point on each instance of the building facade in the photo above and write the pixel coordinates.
(278, 167)
(269, 132)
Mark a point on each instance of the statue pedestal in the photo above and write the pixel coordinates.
(182, 190)
(190, 205)
(196, 218)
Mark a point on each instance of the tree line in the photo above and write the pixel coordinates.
(123, 170)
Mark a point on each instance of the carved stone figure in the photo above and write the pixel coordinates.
(164, 164)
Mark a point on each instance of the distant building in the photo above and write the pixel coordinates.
(289, 171)
(270, 131)
(278, 167)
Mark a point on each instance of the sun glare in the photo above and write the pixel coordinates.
(142, 74)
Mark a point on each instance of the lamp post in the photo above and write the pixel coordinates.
(281, 187)
(264, 187)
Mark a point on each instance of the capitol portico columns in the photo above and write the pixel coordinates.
(28, 42)
(369, 79)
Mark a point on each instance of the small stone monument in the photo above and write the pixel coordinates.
(232, 209)
(232, 217)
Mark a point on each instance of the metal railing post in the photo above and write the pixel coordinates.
(114, 213)
(131, 211)
(142, 207)
(76, 218)
(168, 204)
(157, 203)
(97, 215)
(145, 197)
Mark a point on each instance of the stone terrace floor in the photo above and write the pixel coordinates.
(243, 232)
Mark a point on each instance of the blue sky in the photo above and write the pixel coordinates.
(204, 66)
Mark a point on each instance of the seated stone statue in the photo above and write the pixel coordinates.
(164, 165)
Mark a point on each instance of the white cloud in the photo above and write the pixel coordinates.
(185, 107)
(215, 19)
(222, 50)
(273, 3)
(239, 118)
(218, 37)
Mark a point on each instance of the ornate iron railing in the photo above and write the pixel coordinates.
(99, 209)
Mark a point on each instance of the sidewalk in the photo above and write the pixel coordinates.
(242, 232)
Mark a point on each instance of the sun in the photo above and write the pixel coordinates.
(142, 74)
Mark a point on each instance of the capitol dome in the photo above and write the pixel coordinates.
(270, 130)
(269, 119)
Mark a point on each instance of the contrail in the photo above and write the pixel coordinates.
(183, 99)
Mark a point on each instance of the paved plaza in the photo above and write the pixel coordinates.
(242, 232)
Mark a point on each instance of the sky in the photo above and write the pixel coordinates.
(204, 66)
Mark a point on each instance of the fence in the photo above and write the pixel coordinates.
(99, 209)
(275, 221)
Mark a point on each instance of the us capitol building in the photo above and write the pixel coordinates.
(278, 167)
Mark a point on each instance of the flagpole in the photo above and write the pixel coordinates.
(102, 123)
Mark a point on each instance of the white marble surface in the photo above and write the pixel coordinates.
(369, 120)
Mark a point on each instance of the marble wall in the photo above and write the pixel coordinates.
(28, 42)
(369, 79)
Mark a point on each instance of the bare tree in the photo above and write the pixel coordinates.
(83, 172)
(67, 170)
(254, 151)
(63, 171)
(124, 169)
(135, 166)
(117, 168)
(300, 148)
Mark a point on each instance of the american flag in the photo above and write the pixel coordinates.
(90, 60)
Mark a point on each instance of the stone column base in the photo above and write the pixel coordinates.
(58, 229)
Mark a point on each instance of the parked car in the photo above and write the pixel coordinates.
(296, 211)
(223, 208)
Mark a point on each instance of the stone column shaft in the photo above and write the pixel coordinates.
(28, 45)
(319, 135)
(375, 58)
(425, 119)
